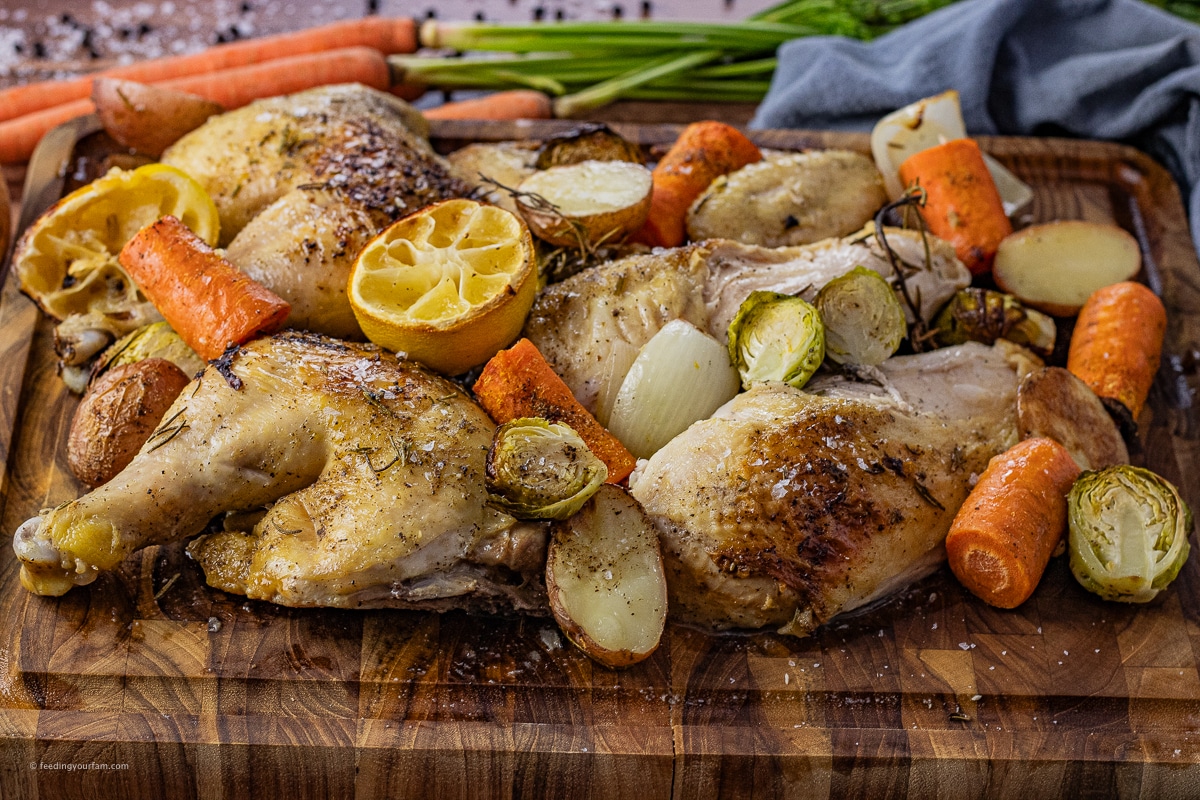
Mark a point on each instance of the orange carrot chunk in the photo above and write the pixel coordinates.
(387, 35)
(702, 153)
(1118, 342)
(1003, 536)
(206, 299)
(512, 104)
(962, 204)
(518, 382)
(231, 88)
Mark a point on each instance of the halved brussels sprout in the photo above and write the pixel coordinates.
(984, 315)
(864, 322)
(1128, 533)
(538, 469)
(156, 340)
(776, 337)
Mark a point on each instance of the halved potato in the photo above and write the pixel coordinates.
(506, 163)
(1055, 266)
(1054, 403)
(604, 575)
(148, 118)
(586, 204)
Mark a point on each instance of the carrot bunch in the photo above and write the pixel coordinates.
(350, 51)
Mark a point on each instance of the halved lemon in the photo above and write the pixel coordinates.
(448, 286)
(67, 260)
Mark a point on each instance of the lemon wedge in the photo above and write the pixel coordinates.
(67, 260)
(448, 286)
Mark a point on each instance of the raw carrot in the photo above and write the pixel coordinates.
(519, 383)
(702, 153)
(1003, 536)
(384, 34)
(962, 204)
(231, 88)
(206, 299)
(1117, 343)
(512, 104)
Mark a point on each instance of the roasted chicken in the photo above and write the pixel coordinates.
(301, 182)
(357, 480)
(579, 323)
(789, 507)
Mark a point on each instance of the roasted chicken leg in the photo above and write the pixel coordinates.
(367, 473)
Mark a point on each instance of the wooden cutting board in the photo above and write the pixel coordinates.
(150, 684)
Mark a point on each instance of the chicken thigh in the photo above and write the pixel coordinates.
(788, 507)
(367, 474)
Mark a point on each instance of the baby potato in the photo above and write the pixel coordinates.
(791, 199)
(148, 118)
(118, 414)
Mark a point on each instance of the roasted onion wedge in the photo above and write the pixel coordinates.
(605, 578)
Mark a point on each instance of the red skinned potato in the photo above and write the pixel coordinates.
(1056, 266)
(605, 579)
(148, 118)
(118, 414)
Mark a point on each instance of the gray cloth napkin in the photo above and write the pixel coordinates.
(1099, 69)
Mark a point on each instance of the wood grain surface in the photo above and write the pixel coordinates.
(183, 691)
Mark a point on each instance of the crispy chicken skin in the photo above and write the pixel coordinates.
(788, 507)
(371, 471)
(577, 323)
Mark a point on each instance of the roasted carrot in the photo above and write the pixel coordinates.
(518, 382)
(206, 299)
(231, 88)
(1003, 536)
(386, 35)
(1117, 343)
(512, 104)
(702, 153)
(962, 204)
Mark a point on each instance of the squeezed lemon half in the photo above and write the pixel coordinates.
(448, 286)
(67, 260)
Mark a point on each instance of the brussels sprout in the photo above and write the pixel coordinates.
(864, 322)
(983, 315)
(541, 470)
(776, 337)
(1128, 533)
(156, 340)
(589, 142)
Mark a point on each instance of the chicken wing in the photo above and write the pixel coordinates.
(788, 507)
(370, 471)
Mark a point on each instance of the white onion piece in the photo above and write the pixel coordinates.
(612, 375)
(680, 376)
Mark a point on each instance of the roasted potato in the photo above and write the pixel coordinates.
(506, 163)
(1055, 404)
(586, 204)
(605, 579)
(148, 118)
(791, 199)
(118, 414)
(1055, 266)
(592, 142)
